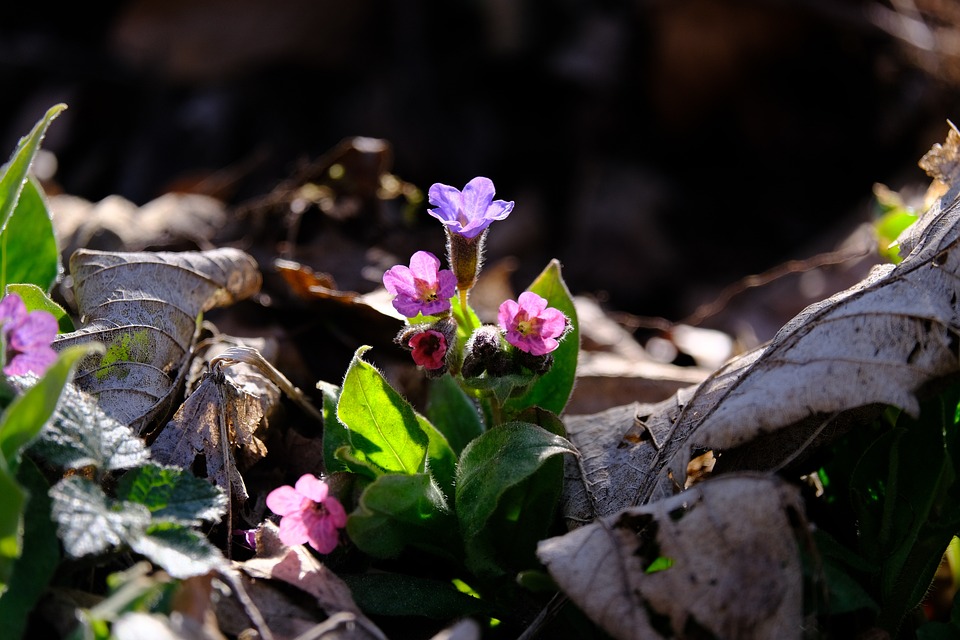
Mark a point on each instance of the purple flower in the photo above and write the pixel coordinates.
(530, 325)
(429, 348)
(422, 287)
(309, 513)
(27, 337)
(470, 212)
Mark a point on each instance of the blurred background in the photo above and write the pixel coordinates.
(661, 150)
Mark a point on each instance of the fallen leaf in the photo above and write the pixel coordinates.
(299, 568)
(719, 560)
(221, 416)
(881, 342)
(144, 307)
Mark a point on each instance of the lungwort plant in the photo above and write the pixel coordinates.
(475, 482)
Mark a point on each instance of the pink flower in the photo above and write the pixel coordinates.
(530, 325)
(422, 287)
(309, 513)
(27, 337)
(429, 348)
(469, 212)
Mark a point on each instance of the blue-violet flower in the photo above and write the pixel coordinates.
(469, 212)
(27, 337)
(422, 287)
(530, 325)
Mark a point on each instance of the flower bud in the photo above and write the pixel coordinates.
(485, 352)
(432, 345)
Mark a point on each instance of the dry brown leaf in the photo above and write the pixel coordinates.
(298, 567)
(735, 568)
(834, 365)
(231, 402)
(144, 308)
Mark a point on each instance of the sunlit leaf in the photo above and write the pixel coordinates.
(397, 511)
(172, 494)
(88, 521)
(28, 246)
(383, 428)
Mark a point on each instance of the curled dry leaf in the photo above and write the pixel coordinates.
(221, 415)
(833, 366)
(719, 560)
(144, 308)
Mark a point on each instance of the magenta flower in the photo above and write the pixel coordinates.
(429, 348)
(309, 513)
(27, 337)
(422, 287)
(530, 325)
(469, 212)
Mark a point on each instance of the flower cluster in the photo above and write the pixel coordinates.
(442, 338)
(526, 324)
(26, 337)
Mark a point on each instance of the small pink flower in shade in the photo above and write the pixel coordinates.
(429, 348)
(531, 326)
(309, 513)
(423, 287)
(469, 212)
(27, 337)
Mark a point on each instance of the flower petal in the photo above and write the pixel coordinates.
(507, 314)
(531, 303)
(449, 202)
(337, 514)
(293, 530)
(39, 328)
(552, 323)
(12, 309)
(285, 500)
(36, 361)
(477, 196)
(399, 280)
(323, 536)
(312, 487)
(446, 284)
(424, 265)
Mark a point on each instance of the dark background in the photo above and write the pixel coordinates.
(660, 150)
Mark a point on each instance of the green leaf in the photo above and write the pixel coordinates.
(335, 435)
(172, 494)
(452, 411)
(31, 410)
(15, 171)
(181, 551)
(552, 390)
(441, 460)
(81, 435)
(395, 594)
(502, 500)
(34, 298)
(28, 246)
(41, 555)
(11, 524)
(382, 426)
(400, 511)
(88, 521)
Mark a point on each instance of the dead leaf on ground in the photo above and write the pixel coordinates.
(297, 567)
(720, 560)
(144, 308)
(221, 416)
